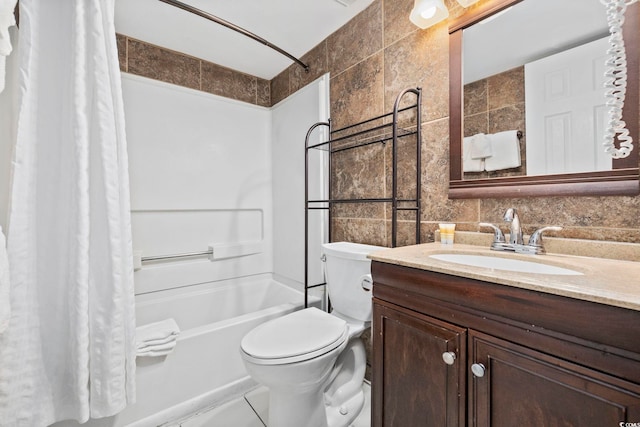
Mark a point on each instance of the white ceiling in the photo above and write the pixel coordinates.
(295, 26)
(529, 31)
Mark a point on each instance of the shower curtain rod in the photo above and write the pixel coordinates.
(234, 27)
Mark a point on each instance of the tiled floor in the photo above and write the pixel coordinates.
(252, 410)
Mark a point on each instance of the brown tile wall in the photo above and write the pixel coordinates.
(371, 59)
(144, 59)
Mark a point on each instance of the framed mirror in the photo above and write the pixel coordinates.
(522, 73)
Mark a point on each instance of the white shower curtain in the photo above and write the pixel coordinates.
(68, 352)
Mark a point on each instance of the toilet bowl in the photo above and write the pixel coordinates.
(313, 362)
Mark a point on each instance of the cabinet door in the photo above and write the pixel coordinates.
(412, 384)
(522, 387)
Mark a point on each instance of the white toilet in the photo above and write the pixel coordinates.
(313, 362)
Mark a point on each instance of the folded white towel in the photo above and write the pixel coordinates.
(154, 343)
(5, 307)
(157, 350)
(156, 331)
(469, 164)
(480, 146)
(154, 353)
(505, 148)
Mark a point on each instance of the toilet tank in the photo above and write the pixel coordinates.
(346, 266)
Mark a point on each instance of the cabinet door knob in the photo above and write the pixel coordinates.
(449, 357)
(478, 369)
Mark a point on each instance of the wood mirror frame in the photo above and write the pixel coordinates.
(624, 179)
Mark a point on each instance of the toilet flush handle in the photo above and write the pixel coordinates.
(366, 281)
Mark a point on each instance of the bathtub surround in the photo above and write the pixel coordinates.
(69, 350)
(199, 178)
(290, 119)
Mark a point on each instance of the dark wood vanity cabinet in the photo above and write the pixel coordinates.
(451, 351)
(542, 390)
(420, 389)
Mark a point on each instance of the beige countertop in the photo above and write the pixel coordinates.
(606, 281)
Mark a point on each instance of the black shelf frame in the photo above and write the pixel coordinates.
(352, 132)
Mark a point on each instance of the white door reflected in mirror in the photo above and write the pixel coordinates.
(566, 111)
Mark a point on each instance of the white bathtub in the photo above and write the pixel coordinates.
(205, 368)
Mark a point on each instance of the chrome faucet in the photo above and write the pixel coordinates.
(515, 243)
(515, 230)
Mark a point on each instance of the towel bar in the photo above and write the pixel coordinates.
(184, 255)
(215, 252)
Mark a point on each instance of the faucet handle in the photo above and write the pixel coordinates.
(536, 237)
(498, 235)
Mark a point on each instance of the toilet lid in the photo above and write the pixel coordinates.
(295, 334)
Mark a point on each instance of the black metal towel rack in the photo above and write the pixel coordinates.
(371, 131)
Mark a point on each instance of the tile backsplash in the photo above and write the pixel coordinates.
(144, 59)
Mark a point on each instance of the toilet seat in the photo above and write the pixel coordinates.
(298, 336)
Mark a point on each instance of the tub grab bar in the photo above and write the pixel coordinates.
(184, 255)
(233, 250)
(217, 251)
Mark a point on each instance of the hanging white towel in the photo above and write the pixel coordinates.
(480, 146)
(7, 19)
(469, 164)
(157, 331)
(5, 307)
(505, 148)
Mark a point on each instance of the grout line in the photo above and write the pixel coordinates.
(254, 411)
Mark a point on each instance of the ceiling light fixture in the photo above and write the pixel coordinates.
(426, 13)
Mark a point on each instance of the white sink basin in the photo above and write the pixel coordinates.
(498, 263)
